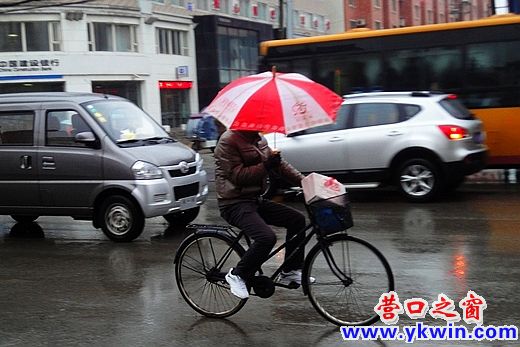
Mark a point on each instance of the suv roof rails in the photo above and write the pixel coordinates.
(410, 93)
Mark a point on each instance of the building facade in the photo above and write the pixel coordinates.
(160, 54)
(385, 14)
(114, 47)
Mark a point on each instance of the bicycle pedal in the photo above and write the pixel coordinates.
(291, 285)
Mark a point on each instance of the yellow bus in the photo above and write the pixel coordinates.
(477, 60)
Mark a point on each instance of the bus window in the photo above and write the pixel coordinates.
(350, 73)
(425, 69)
(495, 64)
(302, 66)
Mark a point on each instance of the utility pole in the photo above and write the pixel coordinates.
(281, 29)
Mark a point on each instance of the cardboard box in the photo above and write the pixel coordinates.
(319, 187)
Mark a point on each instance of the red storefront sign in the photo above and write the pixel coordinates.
(175, 84)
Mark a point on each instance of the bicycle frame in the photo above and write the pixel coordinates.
(321, 241)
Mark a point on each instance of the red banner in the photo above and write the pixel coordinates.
(175, 84)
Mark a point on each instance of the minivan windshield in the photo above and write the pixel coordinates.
(126, 123)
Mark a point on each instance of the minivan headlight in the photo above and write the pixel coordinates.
(199, 161)
(146, 171)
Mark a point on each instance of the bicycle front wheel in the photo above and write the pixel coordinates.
(201, 264)
(350, 276)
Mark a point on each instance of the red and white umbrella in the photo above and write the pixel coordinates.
(274, 102)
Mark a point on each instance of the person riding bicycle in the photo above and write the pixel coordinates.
(243, 161)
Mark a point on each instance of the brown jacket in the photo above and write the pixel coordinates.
(239, 170)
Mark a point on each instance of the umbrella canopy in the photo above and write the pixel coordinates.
(274, 102)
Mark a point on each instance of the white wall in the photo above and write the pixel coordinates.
(80, 67)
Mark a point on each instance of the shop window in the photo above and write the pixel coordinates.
(175, 107)
(112, 37)
(127, 89)
(31, 87)
(171, 41)
(30, 36)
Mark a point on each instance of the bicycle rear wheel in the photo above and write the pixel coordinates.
(351, 275)
(201, 264)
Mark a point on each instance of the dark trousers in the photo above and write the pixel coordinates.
(254, 218)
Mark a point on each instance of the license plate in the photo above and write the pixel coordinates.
(188, 202)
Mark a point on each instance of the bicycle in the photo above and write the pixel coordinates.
(350, 273)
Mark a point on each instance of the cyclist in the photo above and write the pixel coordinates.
(243, 161)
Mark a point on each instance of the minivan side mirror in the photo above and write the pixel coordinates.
(86, 137)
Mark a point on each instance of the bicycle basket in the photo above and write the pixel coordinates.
(332, 215)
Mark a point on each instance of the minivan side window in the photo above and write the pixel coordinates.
(375, 114)
(62, 126)
(16, 129)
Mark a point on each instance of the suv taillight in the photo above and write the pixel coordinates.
(454, 132)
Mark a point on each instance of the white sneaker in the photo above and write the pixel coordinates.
(293, 276)
(237, 285)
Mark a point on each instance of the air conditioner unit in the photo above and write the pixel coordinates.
(361, 22)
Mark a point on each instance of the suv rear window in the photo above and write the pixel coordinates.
(456, 108)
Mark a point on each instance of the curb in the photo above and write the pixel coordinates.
(494, 176)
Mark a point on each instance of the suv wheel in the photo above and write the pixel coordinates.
(24, 218)
(121, 220)
(419, 180)
(182, 218)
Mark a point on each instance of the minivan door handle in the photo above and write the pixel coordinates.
(48, 163)
(26, 162)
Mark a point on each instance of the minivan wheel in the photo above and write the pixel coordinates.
(120, 219)
(419, 180)
(24, 218)
(182, 218)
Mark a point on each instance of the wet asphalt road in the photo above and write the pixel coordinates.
(62, 283)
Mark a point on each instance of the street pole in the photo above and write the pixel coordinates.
(289, 20)
(281, 31)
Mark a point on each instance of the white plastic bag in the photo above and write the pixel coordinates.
(319, 187)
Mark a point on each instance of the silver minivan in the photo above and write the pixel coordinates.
(95, 157)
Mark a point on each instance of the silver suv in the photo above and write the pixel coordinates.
(422, 142)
